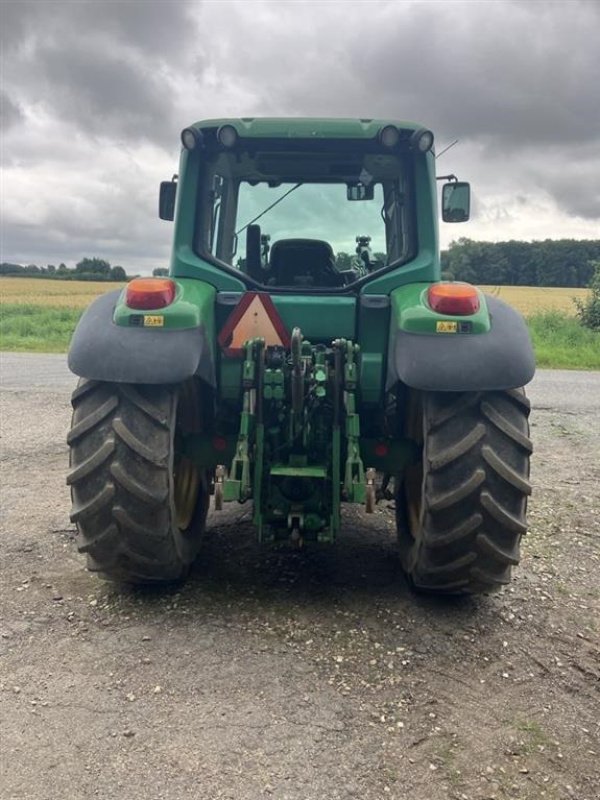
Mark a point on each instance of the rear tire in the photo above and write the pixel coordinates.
(139, 507)
(461, 511)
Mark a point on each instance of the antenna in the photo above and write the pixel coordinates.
(445, 150)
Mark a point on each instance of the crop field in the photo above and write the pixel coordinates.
(53, 293)
(536, 299)
(78, 294)
(41, 314)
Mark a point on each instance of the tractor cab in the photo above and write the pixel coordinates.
(282, 204)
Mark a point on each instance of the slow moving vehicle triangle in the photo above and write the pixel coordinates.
(255, 315)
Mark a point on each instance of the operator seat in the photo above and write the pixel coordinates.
(303, 262)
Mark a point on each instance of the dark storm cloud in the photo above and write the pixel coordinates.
(10, 113)
(94, 95)
(505, 78)
(574, 183)
(510, 74)
(105, 94)
(70, 234)
(159, 27)
(105, 67)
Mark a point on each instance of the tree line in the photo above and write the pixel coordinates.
(553, 262)
(88, 269)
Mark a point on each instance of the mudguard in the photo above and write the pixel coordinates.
(501, 358)
(104, 351)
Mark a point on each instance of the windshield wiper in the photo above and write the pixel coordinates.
(262, 213)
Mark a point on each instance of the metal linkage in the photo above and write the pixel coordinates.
(238, 484)
(299, 411)
(354, 472)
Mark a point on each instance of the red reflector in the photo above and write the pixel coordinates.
(219, 443)
(150, 293)
(460, 299)
(381, 449)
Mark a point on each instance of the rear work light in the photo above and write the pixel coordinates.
(459, 299)
(150, 293)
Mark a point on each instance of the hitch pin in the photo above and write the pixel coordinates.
(370, 497)
(219, 480)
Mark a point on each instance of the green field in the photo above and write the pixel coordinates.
(560, 342)
(40, 315)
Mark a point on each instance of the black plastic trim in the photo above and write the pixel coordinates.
(103, 351)
(500, 359)
(374, 300)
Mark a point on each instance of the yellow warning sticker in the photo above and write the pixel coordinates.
(446, 326)
(154, 321)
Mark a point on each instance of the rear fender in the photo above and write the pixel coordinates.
(114, 343)
(490, 350)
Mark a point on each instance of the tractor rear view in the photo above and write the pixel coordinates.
(273, 368)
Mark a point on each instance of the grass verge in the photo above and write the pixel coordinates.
(560, 342)
(39, 329)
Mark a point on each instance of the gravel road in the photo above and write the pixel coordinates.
(310, 675)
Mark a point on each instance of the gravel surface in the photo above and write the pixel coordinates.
(308, 675)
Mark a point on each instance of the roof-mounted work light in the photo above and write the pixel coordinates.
(389, 136)
(190, 138)
(227, 135)
(422, 140)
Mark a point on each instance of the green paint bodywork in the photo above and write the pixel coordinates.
(193, 306)
(322, 318)
(411, 313)
(305, 127)
(268, 448)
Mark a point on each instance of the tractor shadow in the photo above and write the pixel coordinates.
(354, 585)
(361, 570)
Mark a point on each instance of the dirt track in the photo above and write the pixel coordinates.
(310, 675)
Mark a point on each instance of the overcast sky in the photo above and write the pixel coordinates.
(94, 95)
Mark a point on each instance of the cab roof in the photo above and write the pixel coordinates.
(307, 127)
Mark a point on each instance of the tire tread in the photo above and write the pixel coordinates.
(119, 477)
(474, 487)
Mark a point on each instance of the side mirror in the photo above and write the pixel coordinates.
(456, 201)
(166, 199)
(360, 191)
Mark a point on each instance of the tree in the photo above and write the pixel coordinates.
(588, 311)
(118, 274)
(553, 262)
(95, 266)
(160, 272)
(343, 261)
(11, 269)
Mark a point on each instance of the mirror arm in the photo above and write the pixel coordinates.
(447, 178)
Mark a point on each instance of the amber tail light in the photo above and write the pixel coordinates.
(459, 299)
(150, 293)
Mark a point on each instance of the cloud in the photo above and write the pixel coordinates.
(94, 95)
(109, 68)
(10, 113)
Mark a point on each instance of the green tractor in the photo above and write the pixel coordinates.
(276, 367)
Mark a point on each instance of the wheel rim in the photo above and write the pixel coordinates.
(186, 475)
(187, 484)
